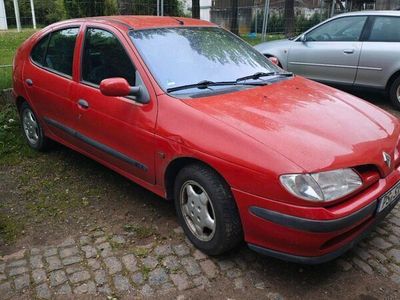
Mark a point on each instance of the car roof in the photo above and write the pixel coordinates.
(141, 22)
(395, 13)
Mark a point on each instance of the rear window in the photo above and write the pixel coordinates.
(39, 51)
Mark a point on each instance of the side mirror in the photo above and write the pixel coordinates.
(119, 87)
(303, 38)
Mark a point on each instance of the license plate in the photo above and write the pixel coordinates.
(389, 197)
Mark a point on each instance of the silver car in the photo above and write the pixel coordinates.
(358, 49)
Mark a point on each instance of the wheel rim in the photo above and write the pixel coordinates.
(398, 92)
(31, 127)
(197, 210)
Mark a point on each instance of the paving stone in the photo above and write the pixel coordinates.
(71, 260)
(378, 266)
(2, 277)
(380, 243)
(209, 268)
(118, 239)
(166, 288)
(201, 282)
(21, 282)
(121, 283)
(181, 249)
(274, 296)
(17, 271)
(147, 291)
(394, 254)
(363, 266)
(67, 242)
(344, 265)
(86, 288)
(73, 269)
(238, 283)
(15, 256)
(2, 268)
(97, 233)
(158, 277)
(84, 240)
(105, 249)
(394, 268)
(395, 278)
(163, 250)
(79, 276)
(94, 264)
(57, 277)
(54, 263)
(6, 290)
(181, 281)
(378, 255)
(104, 289)
(130, 262)
(393, 239)
(198, 255)
(36, 262)
(43, 291)
(89, 251)
(178, 230)
(191, 266)
(225, 264)
(137, 278)
(17, 263)
(66, 252)
(113, 265)
(150, 262)
(50, 252)
(234, 273)
(171, 262)
(35, 251)
(64, 289)
(100, 277)
(100, 240)
(39, 276)
(362, 253)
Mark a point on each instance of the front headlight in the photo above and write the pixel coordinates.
(324, 186)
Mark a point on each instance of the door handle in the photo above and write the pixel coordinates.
(348, 51)
(29, 82)
(83, 103)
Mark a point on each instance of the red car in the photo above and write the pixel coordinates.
(298, 170)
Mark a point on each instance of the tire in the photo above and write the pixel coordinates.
(394, 93)
(32, 129)
(213, 200)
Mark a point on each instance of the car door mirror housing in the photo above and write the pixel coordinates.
(303, 38)
(119, 87)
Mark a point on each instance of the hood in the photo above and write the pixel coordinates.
(313, 125)
(273, 44)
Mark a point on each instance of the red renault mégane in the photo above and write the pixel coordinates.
(299, 170)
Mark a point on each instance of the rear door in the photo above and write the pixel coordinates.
(117, 130)
(48, 78)
(330, 52)
(380, 52)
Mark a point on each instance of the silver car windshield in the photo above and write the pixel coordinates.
(188, 55)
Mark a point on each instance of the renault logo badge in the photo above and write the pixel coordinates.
(387, 159)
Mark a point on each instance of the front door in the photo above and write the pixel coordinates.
(117, 130)
(330, 52)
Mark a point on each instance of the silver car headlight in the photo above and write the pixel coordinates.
(324, 186)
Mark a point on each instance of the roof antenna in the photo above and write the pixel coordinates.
(180, 21)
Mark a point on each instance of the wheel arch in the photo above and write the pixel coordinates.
(178, 164)
(19, 101)
(392, 78)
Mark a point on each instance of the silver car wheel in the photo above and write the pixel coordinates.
(197, 210)
(398, 92)
(31, 127)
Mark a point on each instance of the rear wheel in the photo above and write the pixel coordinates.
(31, 128)
(206, 210)
(394, 93)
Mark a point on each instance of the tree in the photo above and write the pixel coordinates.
(234, 16)
(289, 17)
(196, 9)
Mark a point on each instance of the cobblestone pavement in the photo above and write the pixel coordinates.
(111, 265)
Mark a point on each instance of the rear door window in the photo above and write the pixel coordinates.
(385, 29)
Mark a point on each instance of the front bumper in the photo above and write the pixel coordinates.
(311, 235)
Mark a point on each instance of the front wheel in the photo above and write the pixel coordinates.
(394, 93)
(206, 210)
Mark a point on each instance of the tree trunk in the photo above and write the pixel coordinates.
(196, 9)
(234, 17)
(289, 18)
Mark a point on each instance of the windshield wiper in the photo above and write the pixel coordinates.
(206, 83)
(264, 74)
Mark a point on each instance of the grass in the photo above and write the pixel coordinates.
(257, 40)
(9, 42)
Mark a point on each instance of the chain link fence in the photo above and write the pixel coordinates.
(246, 18)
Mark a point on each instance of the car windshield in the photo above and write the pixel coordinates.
(191, 55)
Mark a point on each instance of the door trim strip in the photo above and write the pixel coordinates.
(322, 65)
(96, 144)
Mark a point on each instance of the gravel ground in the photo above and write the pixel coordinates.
(78, 230)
